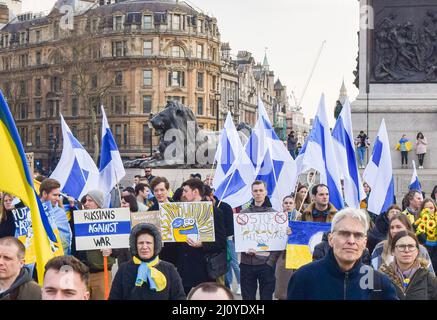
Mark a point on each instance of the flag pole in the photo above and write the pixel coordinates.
(106, 276)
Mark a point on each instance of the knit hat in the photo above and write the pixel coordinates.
(97, 196)
(145, 228)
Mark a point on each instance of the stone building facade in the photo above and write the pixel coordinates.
(135, 56)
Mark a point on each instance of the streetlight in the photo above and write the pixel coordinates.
(218, 96)
(149, 124)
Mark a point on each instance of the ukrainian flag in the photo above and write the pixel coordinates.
(15, 179)
(298, 251)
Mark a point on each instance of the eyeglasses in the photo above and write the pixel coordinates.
(347, 234)
(403, 247)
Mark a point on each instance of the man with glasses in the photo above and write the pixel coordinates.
(341, 275)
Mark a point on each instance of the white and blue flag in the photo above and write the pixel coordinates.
(415, 183)
(379, 174)
(318, 154)
(227, 151)
(111, 167)
(344, 148)
(76, 171)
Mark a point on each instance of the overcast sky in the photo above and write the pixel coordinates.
(293, 31)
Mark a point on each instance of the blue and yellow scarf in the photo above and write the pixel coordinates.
(149, 274)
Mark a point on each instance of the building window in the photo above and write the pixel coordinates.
(56, 30)
(147, 22)
(118, 23)
(23, 89)
(176, 22)
(119, 48)
(53, 108)
(125, 134)
(38, 36)
(199, 26)
(200, 106)
(146, 135)
(200, 80)
(177, 52)
(37, 87)
(5, 41)
(118, 134)
(176, 79)
(94, 25)
(56, 84)
(147, 104)
(24, 60)
(176, 98)
(23, 38)
(38, 58)
(23, 111)
(74, 107)
(147, 48)
(119, 105)
(37, 109)
(37, 137)
(6, 63)
(147, 77)
(118, 78)
(200, 51)
(94, 81)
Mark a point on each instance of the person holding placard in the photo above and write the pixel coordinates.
(191, 257)
(146, 277)
(93, 259)
(258, 266)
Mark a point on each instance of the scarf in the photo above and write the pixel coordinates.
(149, 274)
(405, 276)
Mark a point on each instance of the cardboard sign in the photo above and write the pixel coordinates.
(260, 231)
(151, 217)
(102, 228)
(183, 220)
(24, 232)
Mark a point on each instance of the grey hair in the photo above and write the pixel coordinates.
(357, 214)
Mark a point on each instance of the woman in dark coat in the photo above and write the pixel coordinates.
(146, 277)
(7, 223)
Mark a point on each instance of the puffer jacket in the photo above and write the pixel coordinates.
(423, 284)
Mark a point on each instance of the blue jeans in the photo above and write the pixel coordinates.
(232, 265)
(361, 154)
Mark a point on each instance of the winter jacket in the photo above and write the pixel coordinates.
(268, 258)
(421, 145)
(228, 215)
(308, 213)
(324, 280)
(379, 232)
(7, 226)
(123, 286)
(322, 249)
(23, 288)
(423, 284)
(378, 260)
(291, 143)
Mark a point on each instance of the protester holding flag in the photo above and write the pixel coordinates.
(408, 272)
(258, 266)
(93, 259)
(7, 223)
(15, 280)
(404, 146)
(421, 144)
(382, 253)
(320, 210)
(339, 275)
(49, 192)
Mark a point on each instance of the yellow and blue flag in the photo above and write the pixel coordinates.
(15, 179)
(301, 240)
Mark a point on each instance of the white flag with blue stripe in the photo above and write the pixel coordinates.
(318, 154)
(76, 171)
(276, 167)
(227, 151)
(379, 174)
(111, 166)
(415, 183)
(344, 148)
